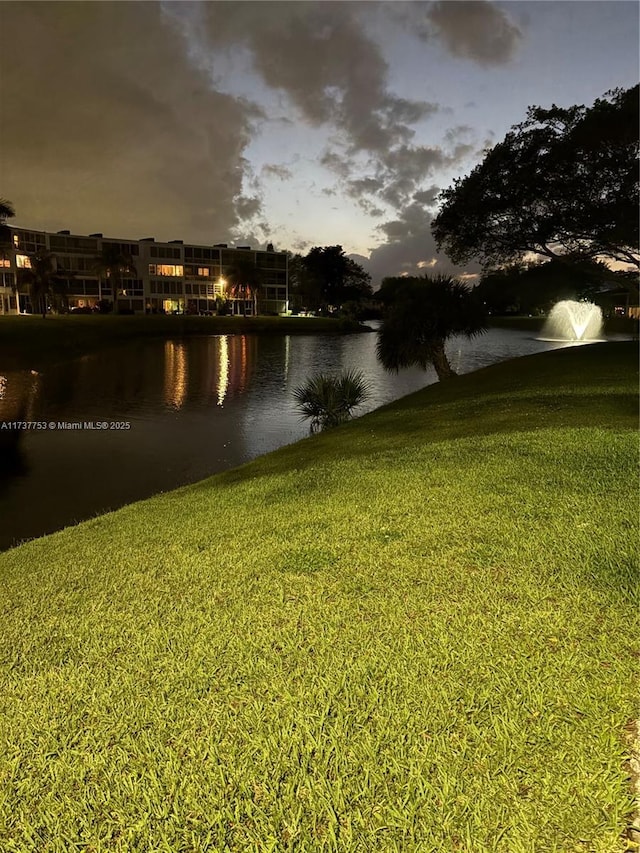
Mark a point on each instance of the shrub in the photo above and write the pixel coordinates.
(328, 400)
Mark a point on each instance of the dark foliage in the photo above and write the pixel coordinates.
(565, 181)
(330, 278)
(421, 313)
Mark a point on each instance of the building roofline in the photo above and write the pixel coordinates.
(101, 236)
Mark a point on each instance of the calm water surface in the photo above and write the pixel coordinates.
(195, 407)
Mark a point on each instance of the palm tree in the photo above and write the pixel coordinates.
(244, 281)
(421, 314)
(60, 286)
(327, 400)
(7, 210)
(41, 276)
(115, 265)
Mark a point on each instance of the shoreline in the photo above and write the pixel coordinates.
(31, 343)
(437, 388)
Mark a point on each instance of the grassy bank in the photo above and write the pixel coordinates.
(30, 342)
(413, 633)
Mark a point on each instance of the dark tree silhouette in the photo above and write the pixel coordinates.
(565, 181)
(304, 288)
(42, 279)
(7, 210)
(244, 281)
(421, 313)
(535, 287)
(114, 265)
(337, 278)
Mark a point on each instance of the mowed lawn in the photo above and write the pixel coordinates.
(416, 632)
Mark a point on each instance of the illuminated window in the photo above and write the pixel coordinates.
(203, 271)
(166, 269)
(4, 262)
(16, 241)
(23, 261)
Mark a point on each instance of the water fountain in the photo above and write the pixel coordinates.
(573, 321)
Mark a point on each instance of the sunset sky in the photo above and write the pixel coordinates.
(295, 123)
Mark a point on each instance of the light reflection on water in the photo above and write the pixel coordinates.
(196, 407)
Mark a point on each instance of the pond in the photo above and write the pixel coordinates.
(178, 411)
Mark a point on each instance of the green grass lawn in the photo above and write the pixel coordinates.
(416, 632)
(33, 343)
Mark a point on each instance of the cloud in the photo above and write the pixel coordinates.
(301, 245)
(412, 221)
(394, 177)
(322, 58)
(476, 30)
(336, 163)
(410, 249)
(370, 208)
(145, 135)
(364, 185)
(118, 139)
(283, 173)
(405, 168)
(427, 197)
(247, 206)
(363, 260)
(456, 134)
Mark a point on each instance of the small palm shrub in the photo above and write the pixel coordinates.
(328, 400)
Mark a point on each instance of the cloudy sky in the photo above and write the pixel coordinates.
(298, 123)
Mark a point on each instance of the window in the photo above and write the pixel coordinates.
(123, 248)
(23, 262)
(16, 241)
(80, 264)
(5, 262)
(199, 254)
(232, 256)
(166, 269)
(164, 252)
(80, 245)
(203, 271)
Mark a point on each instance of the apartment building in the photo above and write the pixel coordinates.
(172, 277)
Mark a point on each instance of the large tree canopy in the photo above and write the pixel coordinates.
(337, 278)
(565, 181)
